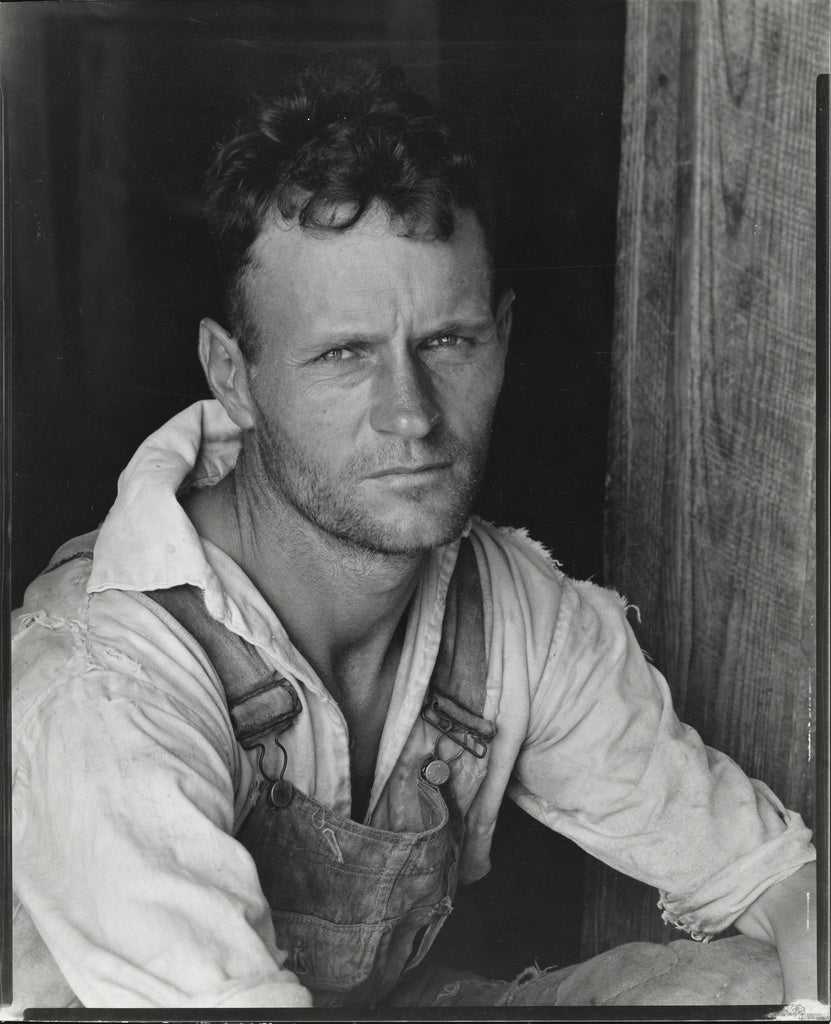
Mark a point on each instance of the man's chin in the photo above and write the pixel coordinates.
(409, 535)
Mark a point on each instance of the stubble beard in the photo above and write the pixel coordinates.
(333, 505)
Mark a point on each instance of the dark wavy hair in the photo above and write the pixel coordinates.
(342, 136)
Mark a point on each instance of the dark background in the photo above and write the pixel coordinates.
(112, 113)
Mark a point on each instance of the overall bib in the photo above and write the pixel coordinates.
(354, 906)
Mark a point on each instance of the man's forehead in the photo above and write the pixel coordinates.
(356, 272)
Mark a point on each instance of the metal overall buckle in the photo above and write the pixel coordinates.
(434, 768)
(469, 739)
(280, 791)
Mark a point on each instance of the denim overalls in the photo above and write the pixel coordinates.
(352, 905)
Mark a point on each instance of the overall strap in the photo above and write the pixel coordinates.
(261, 702)
(86, 555)
(456, 698)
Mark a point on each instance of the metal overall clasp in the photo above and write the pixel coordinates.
(467, 738)
(281, 791)
(435, 769)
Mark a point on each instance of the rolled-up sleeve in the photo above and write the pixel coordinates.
(607, 763)
(123, 808)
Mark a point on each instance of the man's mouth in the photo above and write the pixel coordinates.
(422, 470)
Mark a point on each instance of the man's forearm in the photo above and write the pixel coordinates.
(786, 915)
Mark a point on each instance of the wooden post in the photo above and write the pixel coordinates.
(711, 488)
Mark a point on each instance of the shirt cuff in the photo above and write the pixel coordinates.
(724, 897)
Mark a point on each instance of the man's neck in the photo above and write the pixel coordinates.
(341, 605)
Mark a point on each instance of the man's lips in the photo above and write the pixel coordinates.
(424, 468)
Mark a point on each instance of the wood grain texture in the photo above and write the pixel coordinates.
(711, 487)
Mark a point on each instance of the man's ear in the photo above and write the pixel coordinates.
(225, 371)
(505, 316)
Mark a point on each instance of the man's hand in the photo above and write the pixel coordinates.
(786, 915)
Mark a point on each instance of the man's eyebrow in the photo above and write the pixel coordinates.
(460, 326)
(342, 337)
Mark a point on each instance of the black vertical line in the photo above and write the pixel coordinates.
(678, 561)
(5, 568)
(823, 727)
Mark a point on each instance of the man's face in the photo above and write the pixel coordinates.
(379, 364)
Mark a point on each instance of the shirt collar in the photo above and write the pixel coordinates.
(147, 541)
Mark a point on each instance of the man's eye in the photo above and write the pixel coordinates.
(446, 341)
(336, 355)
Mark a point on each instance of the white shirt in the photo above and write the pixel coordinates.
(129, 785)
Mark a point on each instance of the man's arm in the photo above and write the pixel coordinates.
(607, 763)
(123, 804)
(786, 915)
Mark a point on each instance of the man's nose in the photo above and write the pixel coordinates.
(403, 402)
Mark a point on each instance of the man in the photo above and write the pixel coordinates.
(265, 716)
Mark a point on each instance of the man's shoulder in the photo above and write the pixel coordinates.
(75, 648)
(49, 629)
(523, 587)
(514, 550)
(60, 589)
(519, 565)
